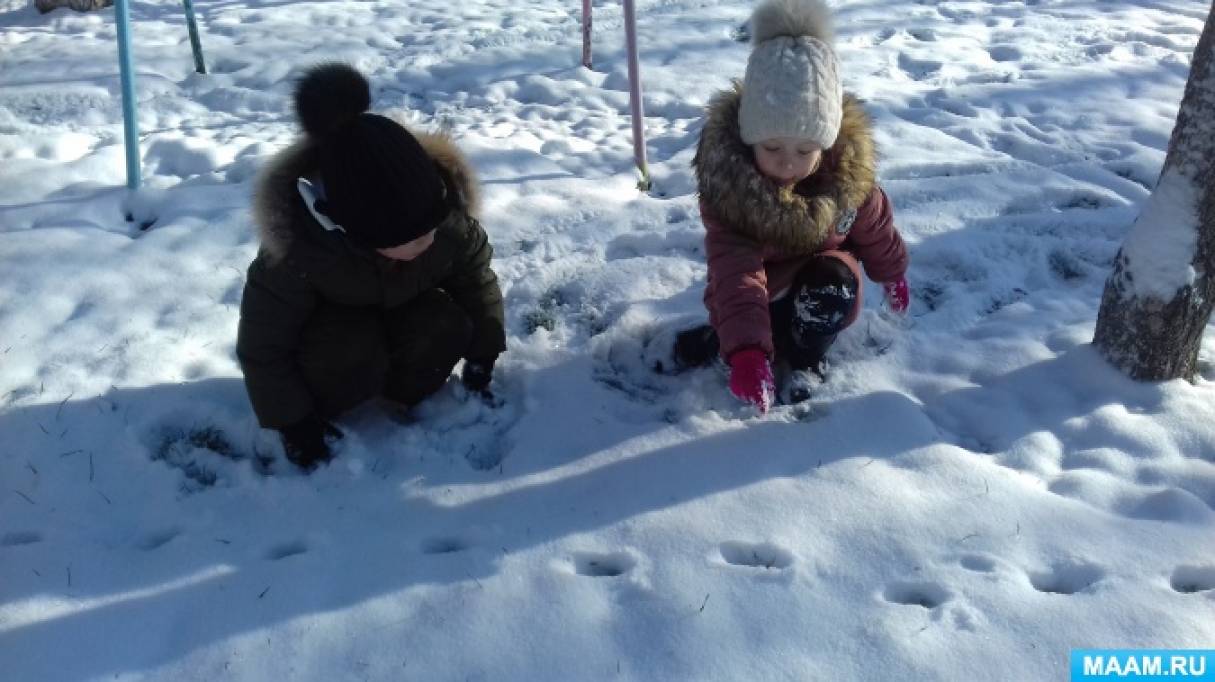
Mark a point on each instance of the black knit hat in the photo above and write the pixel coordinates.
(380, 185)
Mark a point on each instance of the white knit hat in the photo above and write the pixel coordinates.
(792, 86)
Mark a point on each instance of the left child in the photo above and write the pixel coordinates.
(373, 278)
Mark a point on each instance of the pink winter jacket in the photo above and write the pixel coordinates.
(757, 237)
(744, 277)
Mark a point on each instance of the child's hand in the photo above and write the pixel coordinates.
(476, 378)
(898, 295)
(477, 374)
(306, 442)
(751, 378)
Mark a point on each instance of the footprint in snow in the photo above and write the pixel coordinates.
(638, 362)
(918, 69)
(1081, 200)
(764, 555)
(608, 565)
(1004, 53)
(978, 563)
(884, 35)
(678, 215)
(683, 243)
(205, 454)
(285, 550)
(444, 545)
(1178, 30)
(1066, 266)
(18, 538)
(1067, 577)
(951, 105)
(1193, 579)
(958, 16)
(928, 595)
(158, 539)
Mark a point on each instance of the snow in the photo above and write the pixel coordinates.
(1164, 235)
(969, 496)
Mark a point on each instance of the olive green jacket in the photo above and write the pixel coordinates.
(301, 265)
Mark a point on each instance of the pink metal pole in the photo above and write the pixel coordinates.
(630, 35)
(586, 33)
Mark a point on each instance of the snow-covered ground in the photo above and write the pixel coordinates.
(970, 496)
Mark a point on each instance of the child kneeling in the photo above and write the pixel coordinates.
(373, 277)
(786, 171)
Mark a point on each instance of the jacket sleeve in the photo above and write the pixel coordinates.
(474, 286)
(875, 240)
(737, 291)
(276, 303)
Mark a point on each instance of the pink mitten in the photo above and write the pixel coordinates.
(751, 378)
(898, 295)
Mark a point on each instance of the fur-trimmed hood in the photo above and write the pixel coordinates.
(797, 220)
(279, 211)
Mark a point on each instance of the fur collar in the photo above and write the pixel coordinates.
(279, 211)
(797, 220)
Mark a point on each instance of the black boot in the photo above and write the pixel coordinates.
(808, 367)
(809, 352)
(818, 307)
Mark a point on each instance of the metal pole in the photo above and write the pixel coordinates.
(195, 43)
(130, 127)
(586, 33)
(630, 35)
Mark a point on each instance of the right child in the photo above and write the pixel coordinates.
(786, 171)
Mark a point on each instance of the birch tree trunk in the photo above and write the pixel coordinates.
(1159, 298)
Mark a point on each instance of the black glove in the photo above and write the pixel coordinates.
(477, 374)
(306, 442)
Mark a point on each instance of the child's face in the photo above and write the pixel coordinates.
(787, 160)
(409, 250)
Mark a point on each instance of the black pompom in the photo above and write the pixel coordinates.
(329, 95)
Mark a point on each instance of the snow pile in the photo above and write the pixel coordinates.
(1165, 234)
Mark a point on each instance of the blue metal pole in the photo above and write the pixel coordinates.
(195, 43)
(130, 127)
